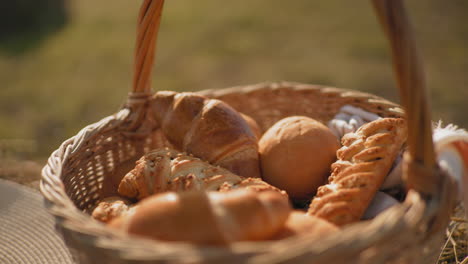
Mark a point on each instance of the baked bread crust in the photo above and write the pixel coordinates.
(363, 163)
(110, 208)
(169, 170)
(209, 129)
(165, 170)
(214, 218)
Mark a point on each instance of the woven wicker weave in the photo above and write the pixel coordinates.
(88, 167)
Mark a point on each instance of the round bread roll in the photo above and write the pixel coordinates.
(299, 223)
(296, 154)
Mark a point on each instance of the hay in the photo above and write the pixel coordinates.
(455, 249)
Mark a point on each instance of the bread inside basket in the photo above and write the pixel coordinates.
(89, 167)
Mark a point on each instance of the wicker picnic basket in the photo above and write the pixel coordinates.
(88, 166)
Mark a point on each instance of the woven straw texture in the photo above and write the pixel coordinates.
(27, 229)
(89, 166)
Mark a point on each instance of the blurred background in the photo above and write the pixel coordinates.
(67, 63)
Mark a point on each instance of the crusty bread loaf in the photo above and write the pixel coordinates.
(296, 154)
(209, 129)
(363, 163)
(207, 218)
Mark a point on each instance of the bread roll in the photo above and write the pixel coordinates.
(207, 218)
(209, 129)
(296, 154)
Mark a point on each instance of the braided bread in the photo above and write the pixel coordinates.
(363, 163)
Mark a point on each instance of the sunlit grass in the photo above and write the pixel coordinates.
(83, 72)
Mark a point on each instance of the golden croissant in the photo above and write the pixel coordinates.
(207, 217)
(169, 170)
(363, 163)
(209, 129)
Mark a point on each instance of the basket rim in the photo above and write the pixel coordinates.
(98, 235)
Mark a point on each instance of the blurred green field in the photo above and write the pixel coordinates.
(83, 72)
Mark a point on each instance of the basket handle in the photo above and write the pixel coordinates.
(419, 161)
(420, 171)
(149, 19)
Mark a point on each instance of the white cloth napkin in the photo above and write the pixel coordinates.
(349, 119)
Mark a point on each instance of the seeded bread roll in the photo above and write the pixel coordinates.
(296, 154)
